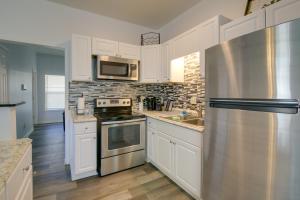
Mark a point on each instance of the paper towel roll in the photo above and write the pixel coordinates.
(80, 105)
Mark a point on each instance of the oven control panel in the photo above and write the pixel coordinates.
(101, 103)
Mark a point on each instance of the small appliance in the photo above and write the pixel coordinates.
(116, 68)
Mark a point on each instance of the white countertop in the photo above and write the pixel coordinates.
(11, 152)
(83, 118)
(159, 115)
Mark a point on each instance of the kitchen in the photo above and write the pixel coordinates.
(185, 117)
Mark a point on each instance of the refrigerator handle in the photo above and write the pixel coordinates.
(288, 106)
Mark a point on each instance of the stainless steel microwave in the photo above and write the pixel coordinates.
(116, 68)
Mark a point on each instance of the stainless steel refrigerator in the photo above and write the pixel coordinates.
(252, 139)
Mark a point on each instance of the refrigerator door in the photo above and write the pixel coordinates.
(250, 155)
(253, 154)
(261, 65)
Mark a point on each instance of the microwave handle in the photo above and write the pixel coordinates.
(129, 70)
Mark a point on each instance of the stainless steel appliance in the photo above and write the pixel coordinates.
(252, 140)
(116, 68)
(121, 136)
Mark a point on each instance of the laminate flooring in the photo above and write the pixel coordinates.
(51, 178)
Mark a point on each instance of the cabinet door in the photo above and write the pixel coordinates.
(150, 64)
(187, 162)
(282, 11)
(85, 153)
(104, 47)
(243, 25)
(164, 149)
(151, 154)
(81, 58)
(186, 43)
(129, 51)
(165, 62)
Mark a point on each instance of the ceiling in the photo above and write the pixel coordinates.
(149, 13)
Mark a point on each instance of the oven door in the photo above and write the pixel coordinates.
(116, 68)
(122, 137)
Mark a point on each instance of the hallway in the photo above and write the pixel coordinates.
(51, 179)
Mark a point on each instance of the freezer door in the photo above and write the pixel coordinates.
(261, 65)
(251, 155)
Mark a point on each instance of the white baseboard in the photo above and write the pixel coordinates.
(28, 133)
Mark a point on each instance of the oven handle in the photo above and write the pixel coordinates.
(122, 122)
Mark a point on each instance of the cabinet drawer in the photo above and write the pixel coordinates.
(16, 180)
(86, 127)
(184, 134)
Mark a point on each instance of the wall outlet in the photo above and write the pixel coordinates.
(193, 100)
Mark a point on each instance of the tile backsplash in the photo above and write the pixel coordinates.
(181, 94)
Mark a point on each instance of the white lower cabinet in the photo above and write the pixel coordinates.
(19, 184)
(176, 151)
(187, 162)
(164, 149)
(84, 150)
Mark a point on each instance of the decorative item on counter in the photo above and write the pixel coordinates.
(81, 105)
(140, 100)
(150, 38)
(253, 5)
(169, 105)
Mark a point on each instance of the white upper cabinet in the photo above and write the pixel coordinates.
(129, 51)
(186, 43)
(114, 48)
(81, 58)
(282, 11)
(243, 25)
(105, 47)
(150, 64)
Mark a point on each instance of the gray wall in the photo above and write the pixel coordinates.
(51, 65)
(21, 61)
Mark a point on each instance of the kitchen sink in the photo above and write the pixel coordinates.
(187, 119)
(197, 121)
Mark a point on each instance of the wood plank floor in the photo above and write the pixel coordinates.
(51, 179)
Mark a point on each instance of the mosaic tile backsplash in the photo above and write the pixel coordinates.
(181, 94)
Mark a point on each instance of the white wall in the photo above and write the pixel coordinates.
(43, 22)
(51, 65)
(201, 12)
(20, 62)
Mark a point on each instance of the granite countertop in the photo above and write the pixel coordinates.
(160, 114)
(11, 151)
(83, 118)
(11, 104)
